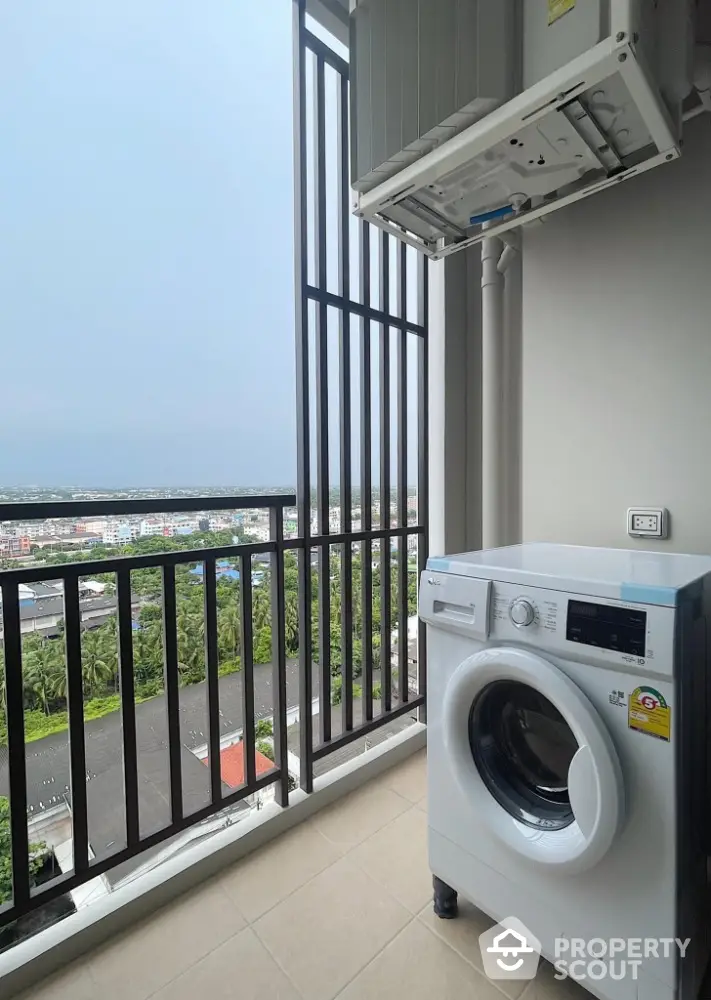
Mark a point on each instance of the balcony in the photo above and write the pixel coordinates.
(107, 793)
(339, 906)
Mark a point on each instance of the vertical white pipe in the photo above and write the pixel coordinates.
(492, 410)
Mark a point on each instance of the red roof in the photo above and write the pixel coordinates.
(232, 764)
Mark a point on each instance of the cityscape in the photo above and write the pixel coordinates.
(31, 542)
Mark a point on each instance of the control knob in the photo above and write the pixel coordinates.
(522, 613)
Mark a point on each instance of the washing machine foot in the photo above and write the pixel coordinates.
(445, 899)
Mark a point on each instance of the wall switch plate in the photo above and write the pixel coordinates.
(648, 522)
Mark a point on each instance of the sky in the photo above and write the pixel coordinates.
(146, 243)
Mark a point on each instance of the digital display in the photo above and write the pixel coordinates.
(623, 630)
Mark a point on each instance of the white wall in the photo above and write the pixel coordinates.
(616, 402)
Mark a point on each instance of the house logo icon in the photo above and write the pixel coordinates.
(510, 951)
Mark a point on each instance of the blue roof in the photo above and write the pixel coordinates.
(223, 569)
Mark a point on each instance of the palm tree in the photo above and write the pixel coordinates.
(261, 608)
(59, 683)
(43, 665)
(96, 662)
(228, 629)
(291, 622)
(148, 653)
(191, 645)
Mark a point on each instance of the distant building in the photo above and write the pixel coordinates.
(47, 541)
(13, 547)
(151, 526)
(120, 532)
(204, 524)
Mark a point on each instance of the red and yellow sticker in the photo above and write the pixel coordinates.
(556, 9)
(649, 713)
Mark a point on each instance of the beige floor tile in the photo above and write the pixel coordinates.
(165, 944)
(396, 857)
(241, 967)
(462, 934)
(72, 983)
(419, 966)
(409, 779)
(357, 816)
(330, 928)
(547, 987)
(266, 877)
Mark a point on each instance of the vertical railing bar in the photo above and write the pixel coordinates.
(15, 717)
(278, 598)
(366, 477)
(213, 680)
(75, 705)
(246, 629)
(322, 330)
(366, 473)
(402, 590)
(385, 563)
(128, 705)
(324, 639)
(322, 470)
(320, 161)
(303, 431)
(344, 279)
(345, 417)
(172, 692)
(422, 464)
(322, 394)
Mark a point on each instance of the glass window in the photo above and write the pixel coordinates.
(522, 747)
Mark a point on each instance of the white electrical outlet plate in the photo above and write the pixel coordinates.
(648, 522)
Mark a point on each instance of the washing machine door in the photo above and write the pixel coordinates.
(533, 757)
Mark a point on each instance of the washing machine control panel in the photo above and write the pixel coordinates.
(606, 631)
(526, 609)
(522, 613)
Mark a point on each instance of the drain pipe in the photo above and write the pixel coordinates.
(496, 256)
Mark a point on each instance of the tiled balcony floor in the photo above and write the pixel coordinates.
(338, 907)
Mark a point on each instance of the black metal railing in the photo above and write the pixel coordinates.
(24, 897)
(357, 288)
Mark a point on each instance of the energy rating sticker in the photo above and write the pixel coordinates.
(556, 9)
(649, 713)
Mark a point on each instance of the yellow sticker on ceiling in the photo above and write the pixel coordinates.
(649, 713)
(556, 9)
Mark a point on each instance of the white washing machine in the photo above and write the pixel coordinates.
(568, 693)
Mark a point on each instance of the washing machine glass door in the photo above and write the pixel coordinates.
(533, 757)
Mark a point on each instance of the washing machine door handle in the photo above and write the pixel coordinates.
(584, 790)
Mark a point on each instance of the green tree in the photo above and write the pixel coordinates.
(37, 854)
(98, 662)
(265, 748)
(150, 614)
(43, 663)
(263, 645)
(228, 632)
(263, 729)
(337, 691)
